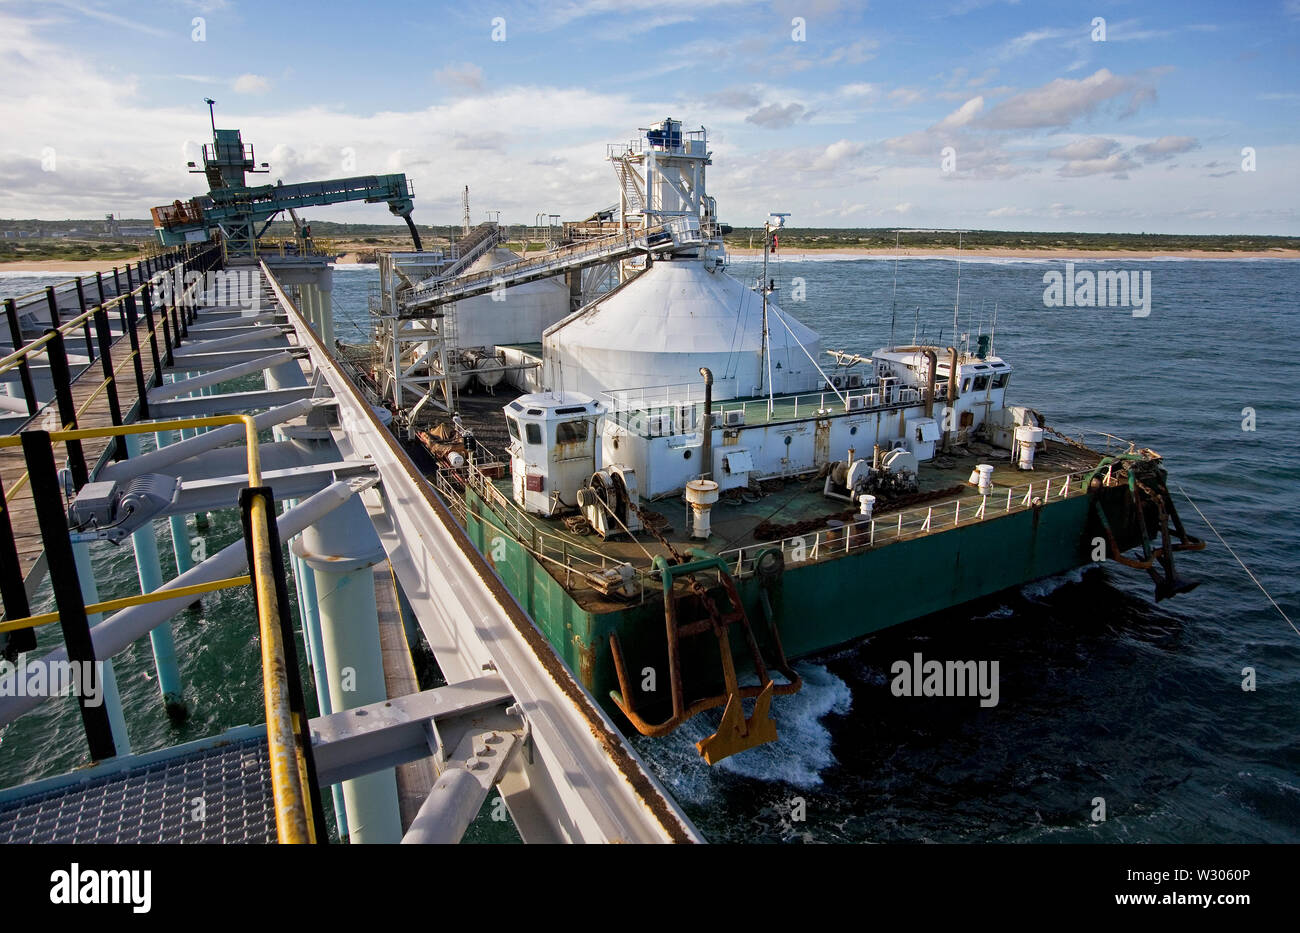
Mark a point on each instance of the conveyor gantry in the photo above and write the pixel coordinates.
(242, 212)
(681, 233)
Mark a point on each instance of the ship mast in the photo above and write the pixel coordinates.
(956, 306)
(774, 222)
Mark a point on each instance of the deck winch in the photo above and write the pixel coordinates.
(609, 501)
(889, 474)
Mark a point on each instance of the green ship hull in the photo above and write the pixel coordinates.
(816, 604)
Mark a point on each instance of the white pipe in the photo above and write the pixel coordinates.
(218, 376)
(256, 335)
(447, 812)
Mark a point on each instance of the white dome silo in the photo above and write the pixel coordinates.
(661, 327)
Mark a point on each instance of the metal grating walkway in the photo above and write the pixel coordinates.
(155, 801)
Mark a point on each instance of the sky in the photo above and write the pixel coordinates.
(1157, 116)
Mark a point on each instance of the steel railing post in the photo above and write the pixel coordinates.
(153, 337)
(53, 304)
(57, 353)
(24, 368)
(81, 305)
(64, 581)
(106, 358)
(13, 591)
(132, 331)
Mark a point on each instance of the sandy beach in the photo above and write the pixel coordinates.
(71, 266)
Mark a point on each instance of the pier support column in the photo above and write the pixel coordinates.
(108, 679)
(325, 305)
(305, 583)
(149, 569)
(340, 550)
(177, 524)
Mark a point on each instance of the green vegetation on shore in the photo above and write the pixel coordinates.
(33, 249)
(73, 240)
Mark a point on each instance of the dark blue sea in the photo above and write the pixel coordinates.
(1103, 693)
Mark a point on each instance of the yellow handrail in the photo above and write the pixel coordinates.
(113, 605)
(150, 427)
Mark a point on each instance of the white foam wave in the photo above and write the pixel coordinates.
(1040, 589)
(798, 756)
(62, 276)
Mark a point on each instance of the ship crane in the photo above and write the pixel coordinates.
(242, 212)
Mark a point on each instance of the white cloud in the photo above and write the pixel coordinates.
(1061, 102)
(777, 116)
(963, 114)
(1089, 147)
(1116, 164)
(251, 84)
(1166, 147)
(836, 154)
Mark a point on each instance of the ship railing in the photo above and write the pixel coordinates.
(907, 524)
(566, 554)
(669, 411)
(688, 142)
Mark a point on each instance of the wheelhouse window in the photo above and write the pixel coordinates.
(533, 432)
(1000, 380)
(981, 383)
(570, 432)
(513, 427)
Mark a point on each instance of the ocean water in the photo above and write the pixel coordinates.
(1103, 693)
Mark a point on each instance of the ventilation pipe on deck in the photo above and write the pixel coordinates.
(706, 454)
(932, 361)
(954, 391)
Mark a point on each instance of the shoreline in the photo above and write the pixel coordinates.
(74, 266)
(1003, 252)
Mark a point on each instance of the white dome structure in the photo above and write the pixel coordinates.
(527, 310)
(659, 328)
